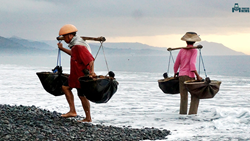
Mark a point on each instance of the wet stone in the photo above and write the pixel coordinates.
(32, 123)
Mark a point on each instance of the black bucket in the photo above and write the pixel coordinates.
(169, 85)
(100, 89)
(52, 82)
(203, 89)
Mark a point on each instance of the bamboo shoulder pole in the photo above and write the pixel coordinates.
(94, 38)
(196, 47)
(86, 38)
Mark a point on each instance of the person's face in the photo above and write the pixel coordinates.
(67, 38)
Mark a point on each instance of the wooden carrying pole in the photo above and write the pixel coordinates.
(199, 46)
(86, 38)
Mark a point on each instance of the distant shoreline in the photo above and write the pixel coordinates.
(15, 45)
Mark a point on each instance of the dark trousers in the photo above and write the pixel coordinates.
(184, 98)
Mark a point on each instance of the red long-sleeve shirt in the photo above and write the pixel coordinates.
(80, 59)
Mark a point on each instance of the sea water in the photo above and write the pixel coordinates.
(140, 103)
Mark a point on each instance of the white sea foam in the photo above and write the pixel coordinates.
(140, 103)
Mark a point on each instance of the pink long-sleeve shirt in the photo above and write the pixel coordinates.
(185, 62)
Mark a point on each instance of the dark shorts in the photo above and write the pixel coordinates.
(79, 91)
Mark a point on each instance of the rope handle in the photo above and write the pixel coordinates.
(59, 58)
(58, 67)
(101, 46)
(59, 55)
(200, 58)
(170, 56)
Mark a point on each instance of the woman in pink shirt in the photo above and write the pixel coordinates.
(185, 63)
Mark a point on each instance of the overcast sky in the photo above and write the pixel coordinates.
(154, 22)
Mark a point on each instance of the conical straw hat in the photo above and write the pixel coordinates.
(191, 36)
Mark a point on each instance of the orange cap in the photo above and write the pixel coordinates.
(66, 29)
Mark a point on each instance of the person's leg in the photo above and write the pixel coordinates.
(194, 105)
(70, 98)
(86, 107)
(183, 95)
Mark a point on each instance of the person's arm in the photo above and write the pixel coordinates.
(91, 69)
(177, 64)
(197, 75)
(192, 64)
(86, 58)
(60, 46)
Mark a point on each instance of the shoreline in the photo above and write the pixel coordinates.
(32, 123)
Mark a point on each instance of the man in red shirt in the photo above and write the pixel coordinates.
(81, 58)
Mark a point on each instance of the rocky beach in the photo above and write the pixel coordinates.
(33, 123)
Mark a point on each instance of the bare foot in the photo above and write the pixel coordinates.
(85, 120)
(69, 115)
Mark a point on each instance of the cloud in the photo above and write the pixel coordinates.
(42, 19)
